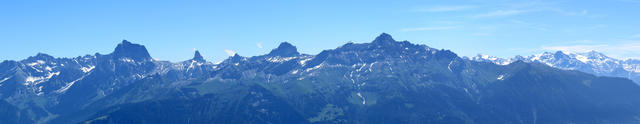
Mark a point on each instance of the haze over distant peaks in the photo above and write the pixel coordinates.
(592, 62)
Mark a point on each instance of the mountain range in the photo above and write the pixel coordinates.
(591, 62)
(384, 81)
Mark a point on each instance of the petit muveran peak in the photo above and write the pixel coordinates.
(197, 56)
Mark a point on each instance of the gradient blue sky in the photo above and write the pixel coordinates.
(172, 29)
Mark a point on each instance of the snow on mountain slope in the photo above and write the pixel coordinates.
(590, 62)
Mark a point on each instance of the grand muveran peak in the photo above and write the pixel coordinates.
(130, 50)
(285, 49)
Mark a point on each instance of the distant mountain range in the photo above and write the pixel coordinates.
(384, 81)
(591, 62)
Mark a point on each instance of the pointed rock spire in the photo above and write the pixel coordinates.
(284, 50)
(197, 56)
(130, 50)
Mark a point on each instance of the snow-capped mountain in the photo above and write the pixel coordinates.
(492, 59)
(42, 74)
(68, 82)
(590, 62)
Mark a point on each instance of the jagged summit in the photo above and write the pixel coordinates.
(236, 55)
(197, 56)
(285, 49)
(41, 56)
(560, 54)
(234, 59)
(385, 41)
(383, 38)
(131, 50)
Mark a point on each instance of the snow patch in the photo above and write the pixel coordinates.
(193, 64)
(5, 79)
(87, 69)
(139, 76)
(631, 67)
(127, 60)
(38, 62)
(316, 67)
(53, 74)
(37, 80)
(449, 66)
(40, 91)
(582, 58)
(536, 57)
(361, 67)
(31, 79)
(361, 97)
(215, 67)
(487, 57)
(68, 85)
(304, 61)
(278, 59)
(371, 66)
(218, 63)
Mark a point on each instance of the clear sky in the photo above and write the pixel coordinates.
(171, 30)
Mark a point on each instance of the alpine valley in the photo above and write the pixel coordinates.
(384, 81)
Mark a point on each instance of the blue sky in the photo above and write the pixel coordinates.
(171, 30)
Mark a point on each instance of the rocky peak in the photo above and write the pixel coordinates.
(285, 49)
(383, 39)
(131, 50)
(197, 56)
(41, 56)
